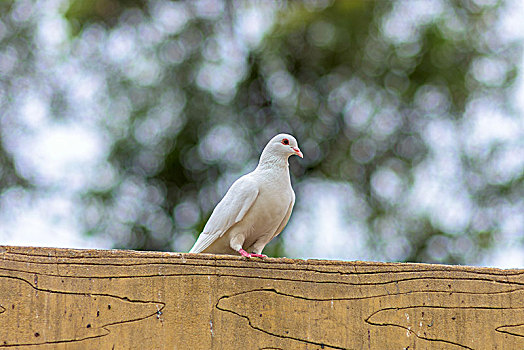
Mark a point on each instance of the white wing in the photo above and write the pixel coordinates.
(231, 209)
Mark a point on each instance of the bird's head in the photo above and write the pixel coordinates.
(284, 145)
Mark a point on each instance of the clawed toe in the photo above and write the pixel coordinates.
(251, 255)
(244, 253)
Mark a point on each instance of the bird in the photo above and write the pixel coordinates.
(257, 206)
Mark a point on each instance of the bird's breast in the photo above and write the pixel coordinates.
(269, 209)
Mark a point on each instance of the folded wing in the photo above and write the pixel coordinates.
(231, 209)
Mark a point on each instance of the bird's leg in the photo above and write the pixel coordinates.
(257, 248)
(236, 244)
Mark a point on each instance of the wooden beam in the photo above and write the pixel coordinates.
(94, 299)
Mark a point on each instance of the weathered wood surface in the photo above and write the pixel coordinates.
(88, 299)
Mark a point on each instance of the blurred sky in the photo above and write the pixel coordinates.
(63, 156)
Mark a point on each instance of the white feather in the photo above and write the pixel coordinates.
(230, 210)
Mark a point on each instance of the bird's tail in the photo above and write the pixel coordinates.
(203, 241)
(196, 247)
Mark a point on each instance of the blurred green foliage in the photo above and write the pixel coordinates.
(188, 103)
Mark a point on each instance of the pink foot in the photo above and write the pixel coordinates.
(252, 255)
(243, 253)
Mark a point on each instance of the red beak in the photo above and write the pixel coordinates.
(298, 152)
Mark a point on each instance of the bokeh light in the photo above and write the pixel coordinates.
(123, 123)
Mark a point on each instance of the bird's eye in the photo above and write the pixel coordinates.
(285, 142)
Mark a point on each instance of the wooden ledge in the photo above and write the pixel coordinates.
(113, 299)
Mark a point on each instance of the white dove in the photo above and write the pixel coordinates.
(256, 208)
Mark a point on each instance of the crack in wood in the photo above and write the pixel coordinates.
(424, 292)
(519, 325)
(240, 303)
(104, 327)
(422, 278)
(131, 254)
(423, 338)
(459, 308)
(80, 293)
(269, 265)
(305, 341)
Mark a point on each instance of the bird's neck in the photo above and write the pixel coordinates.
(270, 161)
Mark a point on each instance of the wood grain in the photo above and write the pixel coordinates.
(94, 299)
